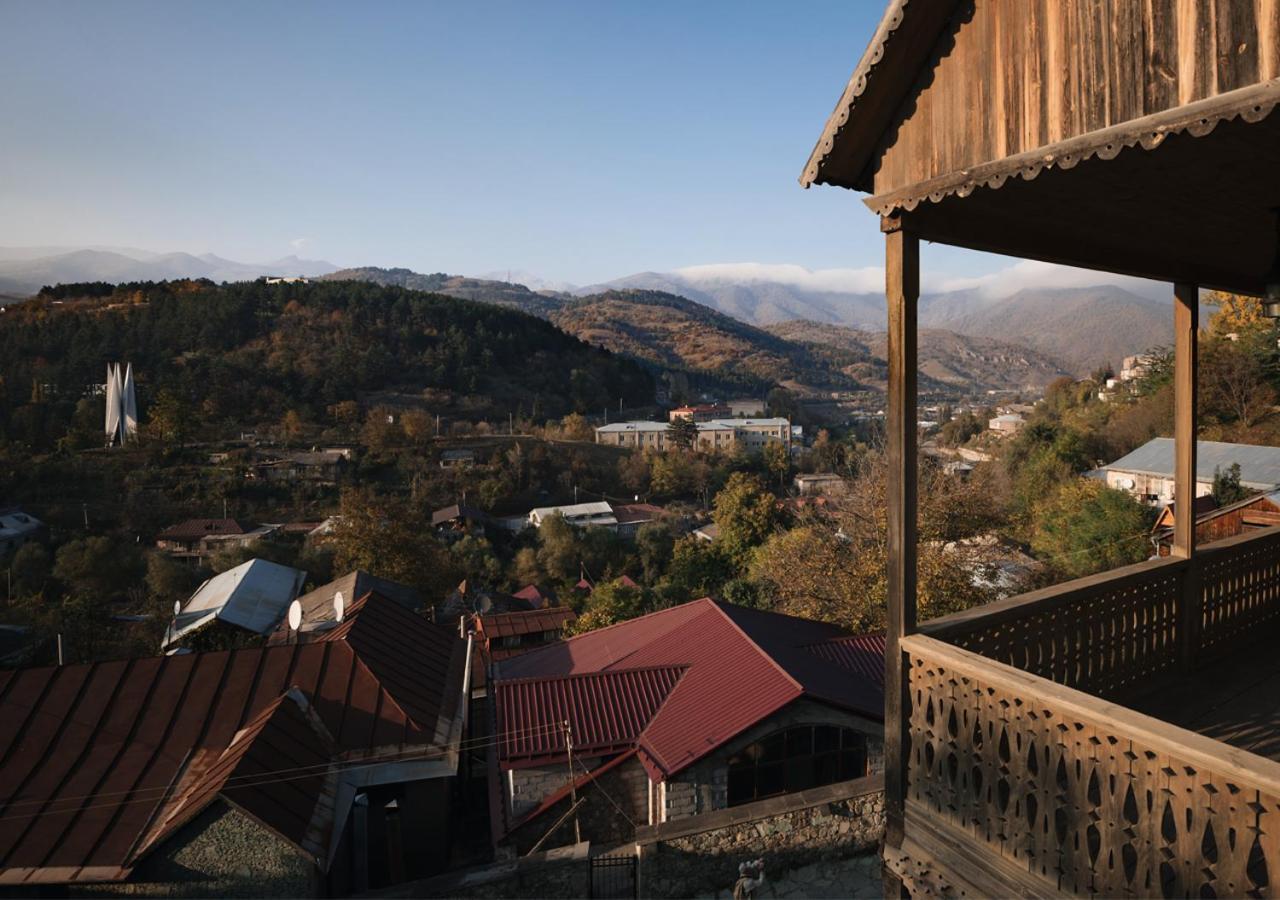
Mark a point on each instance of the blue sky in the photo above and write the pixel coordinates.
(579, 141)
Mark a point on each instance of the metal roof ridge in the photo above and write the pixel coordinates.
(599, 673)
(718, 604)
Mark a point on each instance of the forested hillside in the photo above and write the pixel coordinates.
(503, 293)
(674, 332)
(249, 353)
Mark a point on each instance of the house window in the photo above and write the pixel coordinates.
(797, 758)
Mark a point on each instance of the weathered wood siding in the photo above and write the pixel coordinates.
(1021, 74)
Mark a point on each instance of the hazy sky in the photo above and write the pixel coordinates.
(579, 141)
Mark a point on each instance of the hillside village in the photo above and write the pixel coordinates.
(732, 580)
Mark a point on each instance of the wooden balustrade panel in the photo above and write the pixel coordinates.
(1072, 800)
(1102, 634)
(1240, 584)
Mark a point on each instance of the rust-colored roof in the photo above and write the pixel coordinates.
(739, 667)
(630, 513)
(534, 621)
(605, 711)
(862, 654)
(98, 760)
(317, 605)
(195, 529)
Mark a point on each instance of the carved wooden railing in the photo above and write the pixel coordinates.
(1100, 634)
(1240, 591)
(1081, 795)
(1119, 631)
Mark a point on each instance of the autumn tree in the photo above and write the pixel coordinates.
(745, 514)
(392, 539)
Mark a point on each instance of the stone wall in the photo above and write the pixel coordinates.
(559, 873)
(700, 855)
(221, 853)
(528, 787)
(612, 805)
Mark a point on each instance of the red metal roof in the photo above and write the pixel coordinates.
(862, 654)
(535, 621)
(740, 666)
(95, 758)
(605, 711)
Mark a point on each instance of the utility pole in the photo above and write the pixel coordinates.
(511, 424)
(224, 507)
(84, 507)
(573, 789)
(437, 424)
(59, 648)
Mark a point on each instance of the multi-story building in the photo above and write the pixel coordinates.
(716, 434)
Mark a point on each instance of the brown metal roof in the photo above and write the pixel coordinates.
(534, 621)
(195, 529)
(96, 759)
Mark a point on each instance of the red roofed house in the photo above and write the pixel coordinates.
(684, 711)
(305, 769)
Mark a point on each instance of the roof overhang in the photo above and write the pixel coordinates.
(1185, 195)
(901, 45)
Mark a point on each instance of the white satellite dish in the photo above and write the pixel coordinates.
(295, 615)
(1127, 484)
(177, 608)
(339, 606)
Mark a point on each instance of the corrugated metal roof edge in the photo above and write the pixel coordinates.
(578, 676)
(659, 769)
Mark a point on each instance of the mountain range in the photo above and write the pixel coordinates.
(24, 270)
(1070, 329)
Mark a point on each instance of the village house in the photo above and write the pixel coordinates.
(1214, 523)
(198, 539)
(1148, 472)
(318, 608)
(1006, 424)
(253, 597)
(712, 706)
(320, 466)
(457, 459)
(18, 528)
(303, 770)
(702, 412)
(814, 484)
(1104, 737)
(459, 520)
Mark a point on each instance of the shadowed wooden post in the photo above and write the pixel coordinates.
(902, 289)
(1186, 321)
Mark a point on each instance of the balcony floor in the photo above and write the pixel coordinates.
(1236, 701)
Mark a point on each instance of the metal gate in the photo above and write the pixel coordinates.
(614, 877)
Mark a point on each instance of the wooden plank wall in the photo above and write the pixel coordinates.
(1021, 74)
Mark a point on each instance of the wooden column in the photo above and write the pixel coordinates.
(1186, 322)
(902, 290)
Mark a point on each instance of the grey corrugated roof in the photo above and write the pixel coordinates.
(254, 595)
(1259, 466)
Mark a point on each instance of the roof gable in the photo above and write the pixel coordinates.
(738, 667)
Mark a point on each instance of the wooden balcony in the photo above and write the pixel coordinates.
(1047, 752)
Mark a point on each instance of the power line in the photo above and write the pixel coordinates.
(420, 752)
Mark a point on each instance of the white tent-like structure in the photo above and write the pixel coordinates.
(122, 405)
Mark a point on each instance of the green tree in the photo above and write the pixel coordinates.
(746, 514)
(777, 461)
(169, 418)
(611, 602)
(169, 580)
(558, 554)
(697, 569)
(1086, 527)
(655, 542)
(1226, 485)
(682, 433)
(30, 569)
(97, 567)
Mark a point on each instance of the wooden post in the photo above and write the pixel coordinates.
(1186, 316)
(902, 290)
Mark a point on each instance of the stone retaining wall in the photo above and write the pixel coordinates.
(558, 873)
(700, 855)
